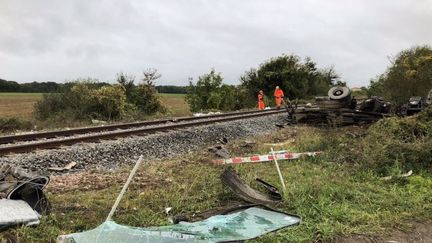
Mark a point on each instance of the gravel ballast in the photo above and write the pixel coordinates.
(109, 154)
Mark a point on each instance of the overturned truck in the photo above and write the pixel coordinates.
(340, 108)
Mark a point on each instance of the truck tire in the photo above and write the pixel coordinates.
(339, 93)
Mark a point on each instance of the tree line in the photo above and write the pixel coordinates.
(53, 87)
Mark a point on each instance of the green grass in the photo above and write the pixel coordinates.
(333, 199)
(172, 95)
(19, 94)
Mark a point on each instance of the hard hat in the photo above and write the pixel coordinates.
(277, 87)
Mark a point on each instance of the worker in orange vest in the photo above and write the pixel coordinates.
(279, 95)
(261, 100)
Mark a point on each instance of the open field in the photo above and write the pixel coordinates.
(333, 199)
(21, 104)
(176, 104)
(18, 104)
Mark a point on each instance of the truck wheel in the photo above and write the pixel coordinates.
(339, 93)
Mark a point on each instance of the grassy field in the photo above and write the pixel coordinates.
(332, 198)
(18, 104)
(176, 104)
(22, 104)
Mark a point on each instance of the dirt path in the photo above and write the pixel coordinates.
(419, 232)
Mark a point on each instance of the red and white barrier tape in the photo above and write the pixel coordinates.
(265, 158)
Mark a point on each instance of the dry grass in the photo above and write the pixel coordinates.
(22, 104)
(176, 104)
(18, 104)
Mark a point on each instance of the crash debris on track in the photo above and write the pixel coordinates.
(340, 108)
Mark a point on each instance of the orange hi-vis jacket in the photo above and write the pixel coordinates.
(278, 95)
(261, 105)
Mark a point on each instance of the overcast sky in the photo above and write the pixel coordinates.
(63, 40)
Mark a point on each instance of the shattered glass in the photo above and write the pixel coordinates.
(239, 225)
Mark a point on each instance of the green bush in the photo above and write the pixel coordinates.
(49, 104)
(209, 93)
(388, 145)
(145, 98)
(111, 102)
(14, 124)
(402, 142)
(83, 101)
(86, 99)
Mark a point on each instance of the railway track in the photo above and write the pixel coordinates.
(54, 139)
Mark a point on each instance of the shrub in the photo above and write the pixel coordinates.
(13, 124)
(111, 102)
(209, 93)
(49, 105)
(87, 99)
(145, 98)
(83, 101)
(392, 143)
(401, 142)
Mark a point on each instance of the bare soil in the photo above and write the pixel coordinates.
(417, 232)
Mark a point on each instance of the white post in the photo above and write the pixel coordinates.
(278, 170)
(125, 186)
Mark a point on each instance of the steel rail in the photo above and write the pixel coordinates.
(50, 144)
(112, 127)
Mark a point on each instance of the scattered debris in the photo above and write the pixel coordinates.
(279, 152)
(177, 219)
(231, 179)
(16, 212)
(168, 209)
(207, 114)
(240, 224)
(289, 141)
(279, 125)
(65, 168)
(387, 178)
(125, 186)
(265, 158)
(248, 143)
(18, 184)
(272, 191)
(340, 109)
(98, 122)
(278, 170)
(415, 105)
(31, 191)
(219, 151)
(223, 140)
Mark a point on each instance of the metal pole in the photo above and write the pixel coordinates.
(125, 186)
(278, 170)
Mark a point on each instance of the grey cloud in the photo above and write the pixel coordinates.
(62, 40)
